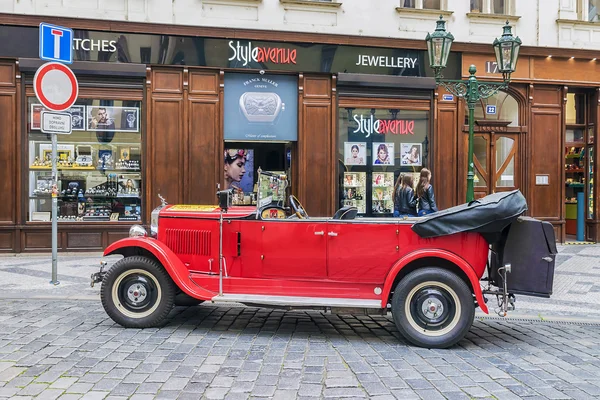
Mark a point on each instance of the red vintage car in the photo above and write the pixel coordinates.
(427, 271)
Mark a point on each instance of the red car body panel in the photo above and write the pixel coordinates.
(354, 259)
(169, 260)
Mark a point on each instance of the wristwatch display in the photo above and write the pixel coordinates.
(261, 106)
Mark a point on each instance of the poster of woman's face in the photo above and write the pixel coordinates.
(238, 168)
(383, 153)
(355, 153)
(410, 154)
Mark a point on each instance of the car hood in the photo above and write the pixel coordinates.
(205, 211)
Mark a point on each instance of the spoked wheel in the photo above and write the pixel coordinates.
(433, 308)
(137, 292)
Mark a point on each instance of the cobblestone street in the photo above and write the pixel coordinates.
(57, 342)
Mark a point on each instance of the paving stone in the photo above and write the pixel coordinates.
(33, 389)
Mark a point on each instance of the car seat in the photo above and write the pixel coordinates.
(346, 212)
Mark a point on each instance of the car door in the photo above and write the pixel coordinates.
(294, 249)
(361, 252)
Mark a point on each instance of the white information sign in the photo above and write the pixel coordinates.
(56, 122)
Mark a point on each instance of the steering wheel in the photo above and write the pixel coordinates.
(298, 207)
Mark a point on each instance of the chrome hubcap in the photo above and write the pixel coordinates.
(432, 307)
(137, 293)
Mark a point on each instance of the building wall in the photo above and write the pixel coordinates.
(551, 23)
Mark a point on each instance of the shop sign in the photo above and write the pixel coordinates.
(246, 53)
(491, 67)
(385, 61)
(370, 125)
(261, 107)
(97, 46)
(108, 46)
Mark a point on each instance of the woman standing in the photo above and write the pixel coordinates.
(425, 197)
(404, 197)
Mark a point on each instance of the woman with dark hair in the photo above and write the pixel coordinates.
(425, 197)
(412, 157)
(404, 197)
(383, 156)
(234, 166)
(354, 159)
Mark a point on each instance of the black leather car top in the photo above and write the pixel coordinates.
(488, 216)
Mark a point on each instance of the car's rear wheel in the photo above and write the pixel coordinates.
(137, 292)
(433, 308)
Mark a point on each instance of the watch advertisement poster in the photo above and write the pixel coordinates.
(355, 153)
(77, 117)
(410, 154)
(110, 118)
(261, 107)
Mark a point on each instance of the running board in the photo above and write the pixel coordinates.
(298, 301)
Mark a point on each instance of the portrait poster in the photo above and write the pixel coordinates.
(383, 153)
(112, 118)
(410, 154)
(129, 184)
(239, 169)
(77, 117)
(260, 107)
(355, 153)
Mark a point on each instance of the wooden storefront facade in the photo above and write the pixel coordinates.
(182, 136)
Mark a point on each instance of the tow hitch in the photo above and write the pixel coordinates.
(97, 277)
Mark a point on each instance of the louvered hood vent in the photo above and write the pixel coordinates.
(189, 241)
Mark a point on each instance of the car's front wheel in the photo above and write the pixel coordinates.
(433, 308)
(137, 292)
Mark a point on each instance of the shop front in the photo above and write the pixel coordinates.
(176, 115)
(538, 136)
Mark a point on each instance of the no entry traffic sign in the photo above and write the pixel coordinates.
(55, 86)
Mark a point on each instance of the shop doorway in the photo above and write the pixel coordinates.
(243, 160)
(496, 145)
(580, 117)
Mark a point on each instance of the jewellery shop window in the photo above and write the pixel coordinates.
(376, 146)
(99, 176)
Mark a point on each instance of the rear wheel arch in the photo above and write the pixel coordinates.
(428, 262)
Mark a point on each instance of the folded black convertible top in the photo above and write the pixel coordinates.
(488, 216)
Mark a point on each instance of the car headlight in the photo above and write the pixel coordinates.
(154, 221)
(137, 230)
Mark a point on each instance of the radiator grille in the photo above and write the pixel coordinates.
(189, 241)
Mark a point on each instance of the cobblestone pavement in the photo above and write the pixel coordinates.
(57, 342)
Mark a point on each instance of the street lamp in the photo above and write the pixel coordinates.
(506, 49)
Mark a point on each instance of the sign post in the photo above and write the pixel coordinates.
(56, 87)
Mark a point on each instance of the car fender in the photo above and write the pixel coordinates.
(169, 260)
(446, 255)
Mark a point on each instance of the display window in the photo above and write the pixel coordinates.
(99, 163)
(242, 162)
(376, 146)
